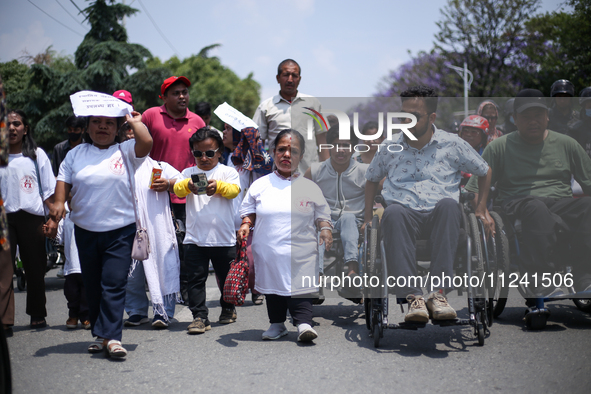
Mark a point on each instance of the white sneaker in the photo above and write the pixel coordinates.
(60, 272)
(306, 333)
(276, 331)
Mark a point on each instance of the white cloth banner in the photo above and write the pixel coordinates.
(233, 117)
(89, 103)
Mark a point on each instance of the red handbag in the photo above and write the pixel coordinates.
(236, 284)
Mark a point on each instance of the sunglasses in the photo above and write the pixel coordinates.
(208, 153)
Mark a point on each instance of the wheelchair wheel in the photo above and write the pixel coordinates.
(378, 328)
(373, 247)
(479, 294)
(476, 244)
(480, 328)
(367, 305)
(502, 267)
(21, 282)
(584, 304)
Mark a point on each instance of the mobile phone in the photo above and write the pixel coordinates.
(200, 182)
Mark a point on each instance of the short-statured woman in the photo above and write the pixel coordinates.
(289, 209)
(103, 214)
(26, 210)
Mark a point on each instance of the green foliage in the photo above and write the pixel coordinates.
(560, 44)
(104, 55)
(210, 81)
(487, 34)
(102, 63)
(15, 79)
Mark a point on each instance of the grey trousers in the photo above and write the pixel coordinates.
(402, 226)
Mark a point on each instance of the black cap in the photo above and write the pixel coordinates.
(529, 98)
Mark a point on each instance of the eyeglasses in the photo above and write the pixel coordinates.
(208, 153)
(489, 118)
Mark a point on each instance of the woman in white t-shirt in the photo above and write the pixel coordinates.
(290, 209)
(103, 214)
(26, 210)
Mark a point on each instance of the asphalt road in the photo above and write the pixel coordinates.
(233, 358)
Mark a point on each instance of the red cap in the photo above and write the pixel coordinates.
(123, 95)
(169, 81)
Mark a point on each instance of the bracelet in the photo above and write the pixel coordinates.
(246, 220)
(326, 228)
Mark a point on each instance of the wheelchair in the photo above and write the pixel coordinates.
(337, 253)
(508, 239)
(55, 258)
(470, 260)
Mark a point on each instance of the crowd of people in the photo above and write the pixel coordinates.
(119, 173)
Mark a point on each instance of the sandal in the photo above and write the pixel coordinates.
(96, 347)
(36, 324)
(115, 349)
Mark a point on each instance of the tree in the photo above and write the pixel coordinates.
(210, 81)
(102, 63)
(424, 69)
(489, 35)
(106, 62)
(560, 44)
(16, 79)
(104, 56)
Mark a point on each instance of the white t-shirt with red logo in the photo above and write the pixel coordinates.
(19, 183)
(101, 195)
(285, 238)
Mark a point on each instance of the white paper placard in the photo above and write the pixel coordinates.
(89, 103)
(233, 117)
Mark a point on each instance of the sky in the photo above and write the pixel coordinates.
(345, 48)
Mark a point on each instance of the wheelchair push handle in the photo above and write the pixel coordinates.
(381, 200)
(466, 196)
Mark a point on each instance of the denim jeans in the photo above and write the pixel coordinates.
(105, 258)
(346, 226)
(136, 300)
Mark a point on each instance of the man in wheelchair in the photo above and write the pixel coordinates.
(342, 181)
(422, 193)
(532, 170)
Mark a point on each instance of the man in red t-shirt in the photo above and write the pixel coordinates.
(171, 126)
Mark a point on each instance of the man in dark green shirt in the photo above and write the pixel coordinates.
(532, 170)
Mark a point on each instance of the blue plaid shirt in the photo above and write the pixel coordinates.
(419, 178)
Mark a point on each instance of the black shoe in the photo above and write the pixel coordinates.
(159, 322)
(37, 323)
(228, 316)
(136, 320)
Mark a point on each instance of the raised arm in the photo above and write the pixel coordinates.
(143, 139)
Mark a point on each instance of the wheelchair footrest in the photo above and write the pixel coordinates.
(406, 326)
(451, 322)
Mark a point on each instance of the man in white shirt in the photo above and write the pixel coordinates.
(274, 114)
